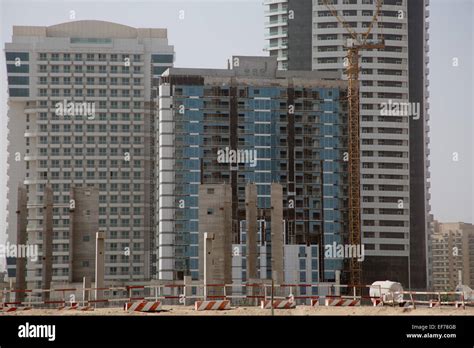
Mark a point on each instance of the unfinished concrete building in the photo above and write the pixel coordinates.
(253, 125)
(215, 220)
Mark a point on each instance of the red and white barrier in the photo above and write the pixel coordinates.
(68, 306)
(377, 302)
(278, 304)
(85, 308)
(147, 296)
(342, 302)
(143, 306)
(14, 309)
(217, 305)
(76, 307)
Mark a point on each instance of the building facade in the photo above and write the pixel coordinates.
(304, 35)
(251, 124)
(452, 255)
(81, 115)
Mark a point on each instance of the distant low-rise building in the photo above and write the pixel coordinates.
(452, 255)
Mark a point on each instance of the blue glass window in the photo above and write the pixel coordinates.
(19, 92)
(162, 58)
(23, 68)
(158, 70)
(24, 56)
(18, 80)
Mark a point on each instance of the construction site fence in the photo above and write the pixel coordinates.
(238, 295)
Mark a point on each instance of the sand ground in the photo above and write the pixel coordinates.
(256, 311)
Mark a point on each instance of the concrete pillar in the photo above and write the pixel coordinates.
(83, 222)
(208, 262)
(338, 283)
(188, 291)
(21, 239)
(47, 249)
(251, 219)
(277, 233)
(215, 218)
(86, 284)
(226, 244)
(99, 264)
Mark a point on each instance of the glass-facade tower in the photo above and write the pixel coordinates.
(286, 130)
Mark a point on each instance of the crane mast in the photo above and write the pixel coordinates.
(357, 43)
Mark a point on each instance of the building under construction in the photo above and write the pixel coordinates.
(276, 140)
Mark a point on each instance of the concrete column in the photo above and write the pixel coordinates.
(277, 233)
(251, 217)
(86, 284)
(215, 217)
(83, 222)
(188, 291)
(208, 264)
(21, 239)
(226, 244)
(47, 262)
(338, 283)
(99, 264)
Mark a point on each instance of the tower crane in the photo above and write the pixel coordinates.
(356, 43)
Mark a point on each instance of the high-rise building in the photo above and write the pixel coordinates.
(253, 124)
(81, 114)
(452, 255)
(304, 35)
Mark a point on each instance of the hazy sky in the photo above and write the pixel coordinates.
(212, 31)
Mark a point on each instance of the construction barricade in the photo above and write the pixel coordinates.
(143, 306)
(278, 304)
(220, 296)
(216, 305)
(14, 308)
(339, 301)
(377, 302)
